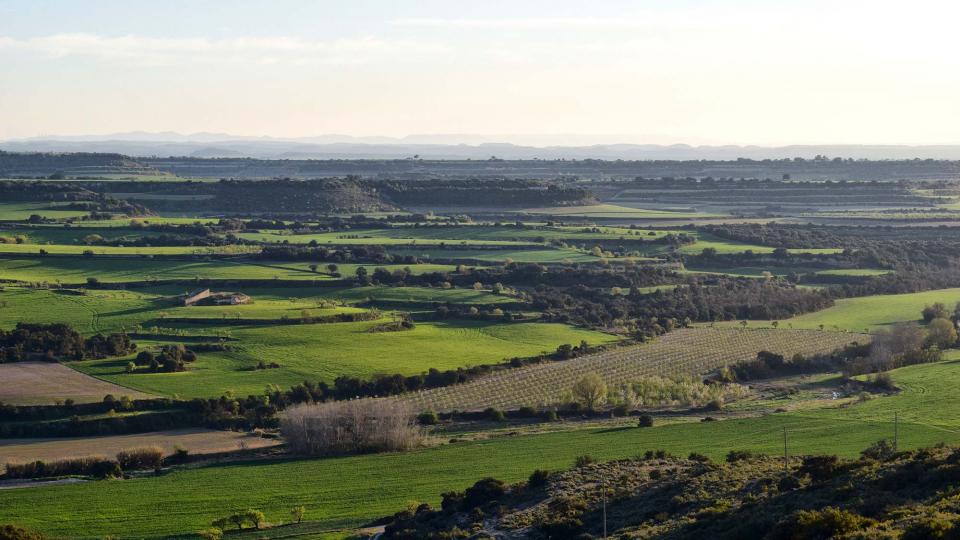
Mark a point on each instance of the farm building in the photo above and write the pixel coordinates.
(231, 299)
(204, 297)
(193, 297)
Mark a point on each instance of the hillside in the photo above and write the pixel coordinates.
(658, 496)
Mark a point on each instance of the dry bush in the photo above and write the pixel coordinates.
(93, 466)
(366, 425)
(134, 459)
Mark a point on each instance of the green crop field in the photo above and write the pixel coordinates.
(325, 351)
(19, 211)
(78, 269)
(353, 490)
(724, 246)
(869, 312)
(615, 211)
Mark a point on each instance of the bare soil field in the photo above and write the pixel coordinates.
(41, 383)
(196, 441)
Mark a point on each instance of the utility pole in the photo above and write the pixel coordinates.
(603, 487)
(896, 429)
(785, 455)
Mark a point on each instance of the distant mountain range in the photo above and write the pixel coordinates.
(220, 145)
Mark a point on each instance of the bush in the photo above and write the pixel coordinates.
(881, 450)
(695, 456)
(13, 532)
(428, 418)
(179, 456)
(645, 420)
(621, 411)
(739, 455)
(495, 414)
(584, 460)
(538, 478)
(212, 533)
(341, 427)
(98, 467)
(829, 522)
(550, 416)
(482, 492)
(884, 381)
(820, 468)
(788, 483)
(136, 459)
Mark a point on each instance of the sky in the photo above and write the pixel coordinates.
(770, 72)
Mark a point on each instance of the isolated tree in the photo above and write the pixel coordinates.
(313, 268)
(941, 333)
(297, 513)
(590, 390)
(332, 267)
(255, 517)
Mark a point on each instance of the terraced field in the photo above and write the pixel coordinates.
(682, 352)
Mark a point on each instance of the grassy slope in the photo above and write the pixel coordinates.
(873, 312)
(352, 490)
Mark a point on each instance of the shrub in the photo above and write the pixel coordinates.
(495, 414)
(97, 467)
(212, 533)
(820, 468)
(179, 456)
(13, 532)
(829, 522)
(884, 381)
(550, 416)
(340, 427)
(428, 418)
(788, 483)
(482, 492)
(695, 456)
(584, 460)
(881, 450)
(739, 455)
(538, 478)
(526, 412)
(929, 528)
(136, 459)
(645, 420)
(621, 410)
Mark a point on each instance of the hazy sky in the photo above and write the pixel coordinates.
(745, 72)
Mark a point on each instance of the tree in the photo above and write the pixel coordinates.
(313, 268)
(941, 333)
(332, 268)
(590, 390)
(936, 311)
(255, 517)
(297, 513)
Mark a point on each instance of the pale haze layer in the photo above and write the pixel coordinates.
(700, 72)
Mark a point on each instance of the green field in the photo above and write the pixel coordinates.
(869, 312)
(325, 351)
(726, 247)
(353, 490)
(77, 270)
(19, 211)
(615, 211)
